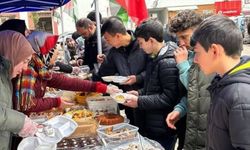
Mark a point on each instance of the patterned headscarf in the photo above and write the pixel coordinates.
(43, 44)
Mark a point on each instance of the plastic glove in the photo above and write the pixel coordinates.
(131, 101)
(29, 128)
(133, 92)
(76, 70)
(111, 89)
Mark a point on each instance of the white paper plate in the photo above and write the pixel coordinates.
(108, 78)
(120, 79)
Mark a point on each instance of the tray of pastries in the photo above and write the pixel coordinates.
(90, 143)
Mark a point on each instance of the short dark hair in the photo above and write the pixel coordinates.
(184, 20)
(84, 23)
(113, 25)
(219, 29)
(75, 35)
(92, 17)
(150, 28)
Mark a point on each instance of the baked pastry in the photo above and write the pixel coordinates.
(81, 97)
(81, 115)
(110, 119)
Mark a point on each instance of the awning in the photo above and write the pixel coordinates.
(182, 8)
(30, 5)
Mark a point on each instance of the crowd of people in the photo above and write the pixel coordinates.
(187, 82)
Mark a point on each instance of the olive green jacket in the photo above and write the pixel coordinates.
(11, 121)
(198, 106)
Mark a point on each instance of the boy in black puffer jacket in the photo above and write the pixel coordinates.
(162, 89)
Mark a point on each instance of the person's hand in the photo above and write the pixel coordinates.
(29, 128)
(111, 89)
(172, 118)
(181, 54)
(65, 104)
(100, 58)
(76, 70)
(131, 101)
(131, 80)
(79, 62)
(133, 92)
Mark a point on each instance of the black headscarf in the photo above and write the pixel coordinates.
(17, 25)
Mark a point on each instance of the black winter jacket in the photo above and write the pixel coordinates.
(229, 113)
(91, 50)
(161, 92)
(125, 61)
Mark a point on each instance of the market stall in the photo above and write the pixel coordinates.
(93, 122)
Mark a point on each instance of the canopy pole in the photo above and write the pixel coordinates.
(98, 32)
(98, 27)
(62, 25)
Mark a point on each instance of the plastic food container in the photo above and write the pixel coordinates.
(140, 143)
(33, 143)
(63, 127)
(117, 133)
(101, 105)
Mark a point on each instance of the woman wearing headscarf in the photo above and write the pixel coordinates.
(15, 25)
(20, 26)
(15, 53)
(32, 84)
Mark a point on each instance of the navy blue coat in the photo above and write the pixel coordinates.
(229, 114)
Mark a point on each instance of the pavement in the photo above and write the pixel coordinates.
(246, 49)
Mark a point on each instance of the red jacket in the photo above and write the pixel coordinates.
(63, 82)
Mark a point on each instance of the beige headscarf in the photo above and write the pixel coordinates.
(14, 47)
